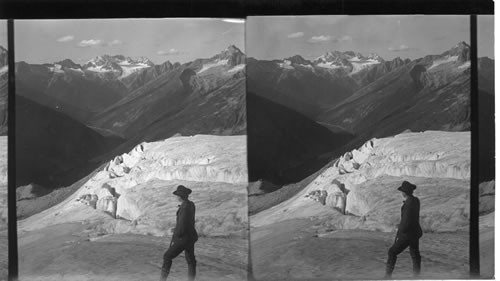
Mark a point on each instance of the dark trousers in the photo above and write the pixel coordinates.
(399, 246)
(173, 251)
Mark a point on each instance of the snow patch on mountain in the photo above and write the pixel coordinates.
(329, 65)
(286, 64)
(76, 70)
(214, 64)
(443, 61)
(56, 68)
(99, 69)
(358, 64)
(128, 69)
(237, 68)
(465, 65)
(352, 62)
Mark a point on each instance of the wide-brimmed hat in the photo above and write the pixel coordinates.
(182, 191)
(407, 187)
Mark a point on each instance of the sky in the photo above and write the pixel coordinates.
(175, 40)
(405, 36)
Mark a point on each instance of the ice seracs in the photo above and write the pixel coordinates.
(362, 184)
(133, 192)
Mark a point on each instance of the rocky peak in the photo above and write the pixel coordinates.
(297, 59)
(375, 56)
(142, 60)
(100, 60)
(233, 49)
(165, 66)
(462, 50)
(233, 55)
(67, 63)
(120, 57)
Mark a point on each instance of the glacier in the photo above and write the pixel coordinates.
(134, 190)
(359, 190)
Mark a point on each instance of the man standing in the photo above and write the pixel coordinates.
(184, 236)
(409, 231)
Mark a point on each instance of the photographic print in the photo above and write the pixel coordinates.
(486, 138)
(3, 152)
(131, 150)
(359, 146)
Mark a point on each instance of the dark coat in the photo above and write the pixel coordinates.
(184, 227)
(409, 228)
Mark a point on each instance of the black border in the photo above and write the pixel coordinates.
(60, 9)
(474, 257)
(11, 142)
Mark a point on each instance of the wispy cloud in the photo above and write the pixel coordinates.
(171, 52)
(67, 38)
(115, 42)
(400, 48)
(296, 35)
(90, 43)
(234, 20)
(345, 38)
(320, 39)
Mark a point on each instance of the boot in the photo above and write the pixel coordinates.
(389, 267)
(164, 274)
(191, 271)
(416, 266)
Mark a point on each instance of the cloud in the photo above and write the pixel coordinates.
(296, 35)
(401, 48)
(345, 38)
(320, 39)
(115, 42)
(66, 38)
(234, 20)
(90, 43)
(171, 52)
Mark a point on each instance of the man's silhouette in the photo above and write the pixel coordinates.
(409, 231)
(184, 236)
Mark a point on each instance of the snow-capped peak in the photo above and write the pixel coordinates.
(350, 61)
(120, 65)
(232, 54)
(120, 60)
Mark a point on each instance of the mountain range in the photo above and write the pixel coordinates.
(354, 96)
(367, 97)
(124, 102)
